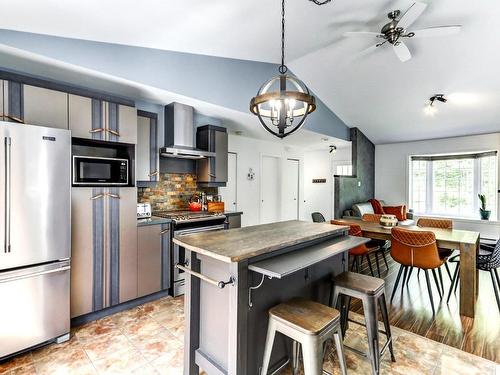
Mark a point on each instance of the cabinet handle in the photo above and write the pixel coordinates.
(164, 231)
(114, 132)
(116, 196)
(98, 196)
(98, 130)
(155, 173)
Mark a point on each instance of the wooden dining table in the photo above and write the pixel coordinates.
(467, 242)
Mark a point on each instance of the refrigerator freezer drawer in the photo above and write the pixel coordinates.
(35, 306)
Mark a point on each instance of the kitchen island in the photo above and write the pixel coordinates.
(234, 277)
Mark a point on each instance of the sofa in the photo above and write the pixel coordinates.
(359, 209)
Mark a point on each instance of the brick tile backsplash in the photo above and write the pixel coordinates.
(172, 192)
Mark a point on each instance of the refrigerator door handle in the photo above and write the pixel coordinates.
(29, 275)
(8, 199)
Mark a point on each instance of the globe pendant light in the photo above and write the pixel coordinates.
(283, 103)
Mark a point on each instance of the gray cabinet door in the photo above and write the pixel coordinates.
(82, 250)
(1, 101)
(127, 241)
(142, 151)
(149, 260)
(12, 101)
(45, 107)
(80, 116)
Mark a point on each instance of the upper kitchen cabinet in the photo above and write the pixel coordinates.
(101, 120)
(1, 100)
(212, 171)
(147, 149)
(80, 116)
(12, 102)
(45, 107)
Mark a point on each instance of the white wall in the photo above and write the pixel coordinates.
(391, 170)
(343, 156)
(313, 164)
(249, 152)
(318, 197)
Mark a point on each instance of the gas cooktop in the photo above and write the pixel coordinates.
(188, 216)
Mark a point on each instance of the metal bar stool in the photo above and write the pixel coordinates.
(370, 290)
(309, 324)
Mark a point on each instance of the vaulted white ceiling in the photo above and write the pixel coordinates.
(375, 92)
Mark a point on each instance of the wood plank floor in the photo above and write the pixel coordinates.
(411, 311)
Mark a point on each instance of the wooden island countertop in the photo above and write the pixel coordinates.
(235, 245)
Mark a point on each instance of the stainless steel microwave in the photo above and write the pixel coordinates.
(99, 171)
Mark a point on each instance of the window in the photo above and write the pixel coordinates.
(344, 170)
(448, 185)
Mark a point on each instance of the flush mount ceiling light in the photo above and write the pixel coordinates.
(430, 108)
(283, 103)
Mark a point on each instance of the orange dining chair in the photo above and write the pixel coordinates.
(430, 222)
(359, 252)
(412, 248)
(382, 244)
(373, 218)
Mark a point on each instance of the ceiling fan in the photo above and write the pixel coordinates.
(396, 30)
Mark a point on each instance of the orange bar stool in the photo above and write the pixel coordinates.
(411, 248)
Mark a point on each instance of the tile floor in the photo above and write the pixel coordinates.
(149, 340)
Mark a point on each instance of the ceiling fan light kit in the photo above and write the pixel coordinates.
(283, 103)
(396, 30)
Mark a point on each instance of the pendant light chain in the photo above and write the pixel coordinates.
(283, 68)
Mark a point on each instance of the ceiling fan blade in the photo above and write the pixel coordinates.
(411, 15)
(437, 31)
(369, 50)
(362, 33)
(402, 51)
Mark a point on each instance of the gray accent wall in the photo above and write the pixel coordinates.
(347, 191)
(221, 81)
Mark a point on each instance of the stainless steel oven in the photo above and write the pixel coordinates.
(100, 171)
(179, 255)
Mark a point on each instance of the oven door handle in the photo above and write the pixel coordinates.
(200, 229)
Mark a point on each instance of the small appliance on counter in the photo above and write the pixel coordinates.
(143, 210)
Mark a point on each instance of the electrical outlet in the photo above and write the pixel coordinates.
(359, 183)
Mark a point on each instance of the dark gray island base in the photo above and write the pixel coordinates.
(234, 277)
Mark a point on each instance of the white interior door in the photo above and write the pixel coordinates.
(270, 190)
(291, 190)
(229, 192)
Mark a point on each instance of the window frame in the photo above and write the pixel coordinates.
(476, 184)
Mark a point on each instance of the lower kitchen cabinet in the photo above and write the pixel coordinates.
(104, 248)
(153, 266)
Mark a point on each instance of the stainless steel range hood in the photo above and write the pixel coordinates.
(179, 134)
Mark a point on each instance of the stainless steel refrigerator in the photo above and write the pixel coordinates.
(35, 236)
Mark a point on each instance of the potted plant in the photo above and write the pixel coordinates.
(485, 214)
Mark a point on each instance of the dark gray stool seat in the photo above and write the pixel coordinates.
(371, 291)
(360, 283)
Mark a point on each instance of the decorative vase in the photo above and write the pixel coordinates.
(485, 214)
(388, 221)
